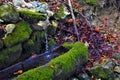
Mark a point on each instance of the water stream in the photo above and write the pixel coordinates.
(46, 41)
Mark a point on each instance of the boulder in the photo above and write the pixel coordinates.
(8, 14)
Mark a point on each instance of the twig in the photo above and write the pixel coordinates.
(73, 17)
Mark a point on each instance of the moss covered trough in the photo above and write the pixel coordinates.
(61, 67)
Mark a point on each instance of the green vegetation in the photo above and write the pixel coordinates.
(34, 44)
(65, 62)
(26, 14)
(68, 45)
(99, 72)
(9, 55)
(60, 14)
(38, 38)
(21, 33)
(51, 42)
(92, 2)
(105, 70)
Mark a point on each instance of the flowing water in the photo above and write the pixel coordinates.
(46, 41)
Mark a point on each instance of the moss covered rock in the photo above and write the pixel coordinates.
(38, 39)
(104, 70)
(21, 33)
(8, 13)
(9, 55)
(60, 14)
(31, 16)
(62, 66)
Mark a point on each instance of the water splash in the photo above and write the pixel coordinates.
(73, 17)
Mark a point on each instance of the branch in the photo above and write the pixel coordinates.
(73, 17)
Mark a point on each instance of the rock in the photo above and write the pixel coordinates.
(22, 3)
(8, 14)
(41, 7)
(44, 24)
(104, 70)
(61, 13)
(49, 13)
(117, 69)
(9, 55)
(9, 28)
(116, 56)
(18, 2)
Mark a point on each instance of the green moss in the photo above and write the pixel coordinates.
(31, 15)
(92, 2)
(9, 55)
(100, 72)
(38, 38)
(21, 33)
(105, 70)
(34, 44)
(65, 62)
(51, 42)
(68, 45)
(28, 49)
(60, 14)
